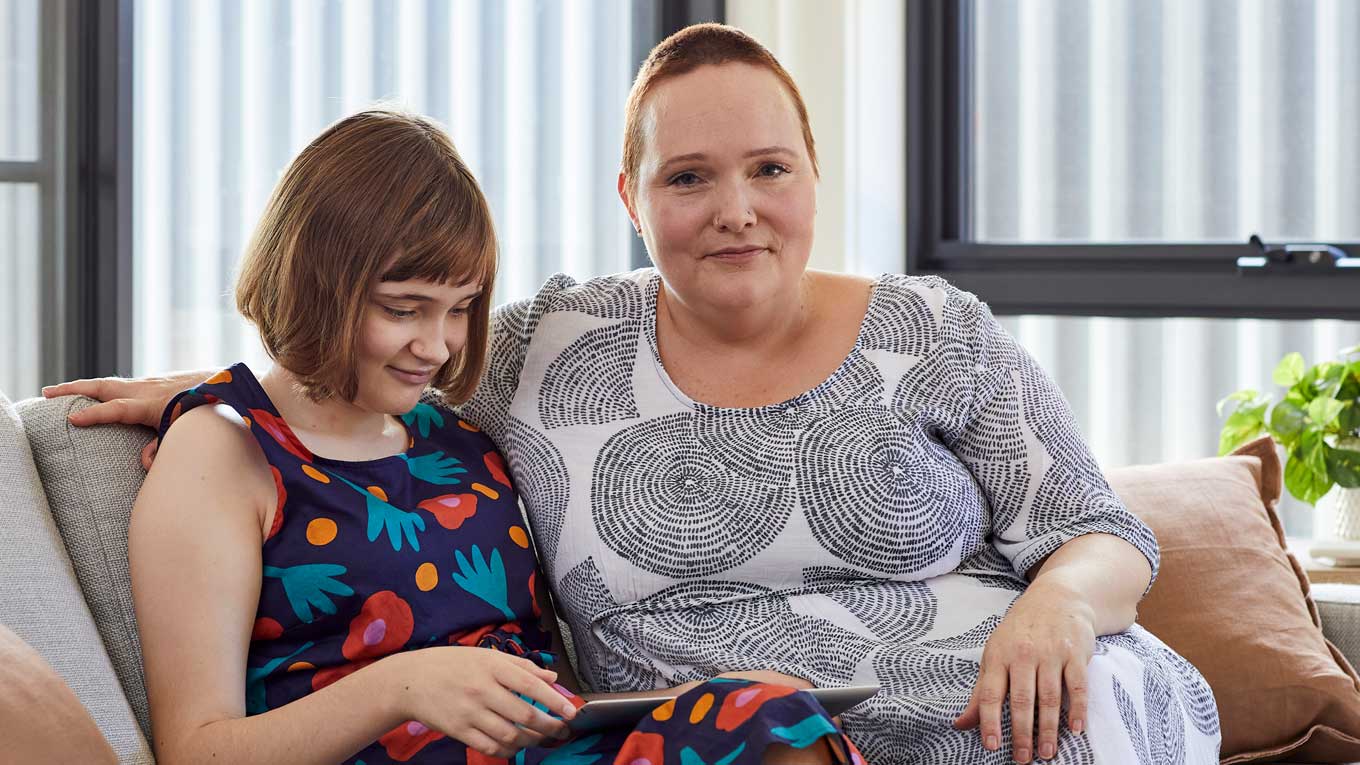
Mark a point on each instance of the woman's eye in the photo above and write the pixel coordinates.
(397, 313)
(772, 170)
(685, 179)
(460, 311)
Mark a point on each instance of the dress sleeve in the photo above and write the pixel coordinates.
(1022, 445)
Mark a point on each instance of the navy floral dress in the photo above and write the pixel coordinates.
(428, 548)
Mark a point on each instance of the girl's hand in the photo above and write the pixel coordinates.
(1041, 648)
(471, 694)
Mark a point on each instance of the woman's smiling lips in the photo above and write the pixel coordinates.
(411, 378)
(739, 252)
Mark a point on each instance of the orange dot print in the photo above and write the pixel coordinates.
(378, 492)
(664, 712)
(221, 377)
(520, 538)
(301, 666)
(246, 420)
(700, 710)
(321, 531)
(489, 492)
(427, 576)
(315, 475)
(465, 425)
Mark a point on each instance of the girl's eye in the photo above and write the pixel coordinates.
(772, 170)
(460, 311)
(398, 313)
(685, 179)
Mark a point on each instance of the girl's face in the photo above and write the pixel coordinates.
(726, 192)
(410, 329)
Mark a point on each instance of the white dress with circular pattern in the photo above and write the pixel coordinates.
(872, 530)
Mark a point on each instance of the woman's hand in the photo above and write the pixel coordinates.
(471, 694)
(1039, 650)
(126, 401)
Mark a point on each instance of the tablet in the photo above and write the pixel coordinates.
(614, 713)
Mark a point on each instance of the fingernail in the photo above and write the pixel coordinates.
(563, 691)
(1022, 755)
(1046, 751)
(1078, 725)
(992, 743)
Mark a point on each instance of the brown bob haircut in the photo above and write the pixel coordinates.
(375, 187)
(683, 52)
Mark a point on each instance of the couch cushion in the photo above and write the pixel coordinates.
(42, 603)
(92, 476)
(1231, 600)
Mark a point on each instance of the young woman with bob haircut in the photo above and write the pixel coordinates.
(324, 568)
(733, 463)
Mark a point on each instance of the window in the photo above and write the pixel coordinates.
(1071, 157)
(227, 92)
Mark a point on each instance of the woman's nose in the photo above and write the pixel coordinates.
(734, 211)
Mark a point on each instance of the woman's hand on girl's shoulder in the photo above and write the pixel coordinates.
(475, 695)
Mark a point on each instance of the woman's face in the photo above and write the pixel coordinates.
(726, 193)
(409, 330)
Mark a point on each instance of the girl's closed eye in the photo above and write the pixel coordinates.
(398, 313)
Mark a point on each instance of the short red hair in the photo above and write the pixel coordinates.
(683, 52)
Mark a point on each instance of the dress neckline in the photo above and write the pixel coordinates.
(244, 372)
(652, 291)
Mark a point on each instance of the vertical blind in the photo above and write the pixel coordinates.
(227, 91)
(21, 174)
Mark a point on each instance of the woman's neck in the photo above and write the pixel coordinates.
(762, 329)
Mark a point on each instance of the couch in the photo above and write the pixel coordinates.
(64, 566)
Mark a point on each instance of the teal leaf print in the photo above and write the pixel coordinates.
(307, 586)
(575, 752)
(434, 468)
(805, 733)
(422, 415)
(382, 515)
(255, 700)
(690, 757)
(485, 581)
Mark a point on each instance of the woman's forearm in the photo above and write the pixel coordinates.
(323, 727)
(1104, 572)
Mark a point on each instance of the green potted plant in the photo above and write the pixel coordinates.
(1318, 424)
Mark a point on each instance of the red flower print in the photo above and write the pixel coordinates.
(276, 427)
(475, 757)
(533, 593)
(451, 509)
(403, 741)
(471, 638)
(383, 625)
(266, 629)
(640, 749)
(496, 464)
(741, 706)
(325, 677)
(283, 497)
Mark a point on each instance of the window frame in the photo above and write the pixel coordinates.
(1143, 279)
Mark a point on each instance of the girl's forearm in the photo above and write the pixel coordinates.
(324, 727)
(1104, 572)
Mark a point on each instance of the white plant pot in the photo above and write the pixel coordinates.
(1345, 507)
